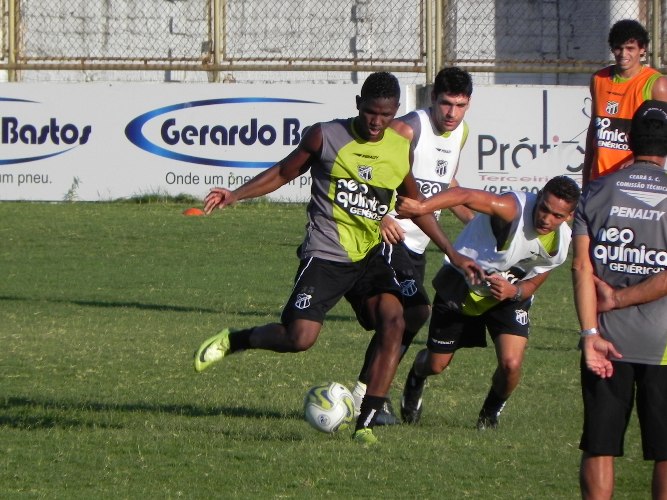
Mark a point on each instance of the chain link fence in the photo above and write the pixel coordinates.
(559, 36)
(297, 40)
(114, 32)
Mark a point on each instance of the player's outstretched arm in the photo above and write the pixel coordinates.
(428, 223)
(504, 206)
(461, 212)
(293, 165)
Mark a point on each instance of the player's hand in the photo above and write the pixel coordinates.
(470, 269)
(218, 198)
(408, 208)
(391, 231)
(500, 288)
(605, 295)
(598, 353)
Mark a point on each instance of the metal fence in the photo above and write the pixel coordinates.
(227, 38)
(539, 36)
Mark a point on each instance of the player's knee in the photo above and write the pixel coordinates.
(511, 366)
(395, 325)
(390, 336)
(303, 344)
(390, 318)
(301, 340)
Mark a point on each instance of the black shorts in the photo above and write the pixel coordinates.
(608, 405)
(319, 285)
(450, 330)
(410, 269)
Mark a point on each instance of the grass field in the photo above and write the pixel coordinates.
(102, 305)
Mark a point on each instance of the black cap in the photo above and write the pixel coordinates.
(648, 133)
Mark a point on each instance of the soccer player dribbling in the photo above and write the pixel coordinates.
(341, 255)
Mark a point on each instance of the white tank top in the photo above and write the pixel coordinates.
(524, 250)
(435, 161)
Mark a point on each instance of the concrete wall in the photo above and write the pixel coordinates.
(286, 29)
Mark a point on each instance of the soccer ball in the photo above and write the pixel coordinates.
(329, 407)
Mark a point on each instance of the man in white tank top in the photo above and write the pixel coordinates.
(437, 134)
(517, 238)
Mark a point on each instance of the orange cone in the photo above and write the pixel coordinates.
(193, 211)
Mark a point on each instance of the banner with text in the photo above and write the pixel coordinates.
(520, 137)
(107, 141)
(95, 142)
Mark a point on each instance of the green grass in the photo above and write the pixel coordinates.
(102, 305)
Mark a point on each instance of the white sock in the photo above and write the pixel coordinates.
(358, 395)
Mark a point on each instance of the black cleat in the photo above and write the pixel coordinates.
(488, 419)
(411, 402)
(486, 422)
(386, 415)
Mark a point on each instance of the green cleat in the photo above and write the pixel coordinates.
(365, 436)
(212, 350)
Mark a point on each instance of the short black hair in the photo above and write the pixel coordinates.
(453, 81)
(564, 188)
(648, 131)
(626, 30)
(381, 85)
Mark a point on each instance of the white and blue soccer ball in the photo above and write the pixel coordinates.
(329, 407)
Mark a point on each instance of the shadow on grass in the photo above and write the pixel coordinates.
(553, 348)
(158, 307)
(27, 413)
(103, 304)
(32, 422)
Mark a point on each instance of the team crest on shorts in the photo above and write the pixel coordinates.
(302, 301)
(522, 317)
(408, 288)
(365, 172)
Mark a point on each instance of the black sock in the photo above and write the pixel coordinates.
(493, 403)
(240, 340)
(368, 412)
(408, 337)
(368, 356)
(414, 379)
